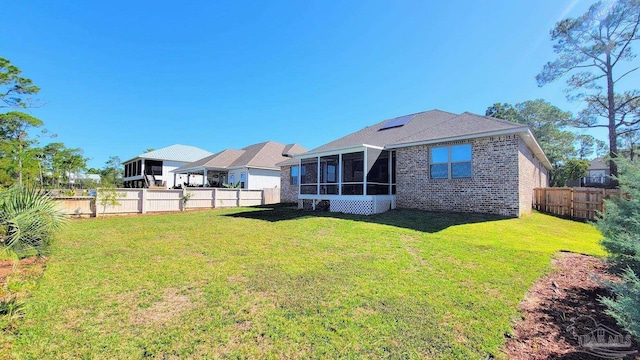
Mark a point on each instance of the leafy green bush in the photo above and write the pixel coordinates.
(620, 226)
(28, 219)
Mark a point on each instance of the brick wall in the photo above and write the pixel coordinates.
(288, 192)
(504, 174)
(532, 175)
(493, 187)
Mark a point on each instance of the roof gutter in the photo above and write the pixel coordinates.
(334, 151)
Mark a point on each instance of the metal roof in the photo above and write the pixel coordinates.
(177, 152)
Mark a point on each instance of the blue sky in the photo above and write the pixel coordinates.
(120, 77)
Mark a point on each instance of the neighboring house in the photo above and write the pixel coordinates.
(597, 173)
(153, 169)
(254, 166)
(432, 160)
(79, 177)
(598, 170)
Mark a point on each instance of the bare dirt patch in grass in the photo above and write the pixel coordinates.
(556, 302)
(23, 266)
(174, 303)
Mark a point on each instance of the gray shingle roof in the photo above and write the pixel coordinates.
(598, 164)
(424, 126)
(177, 152)
(292, 149)
(262, 155)
(221, 159)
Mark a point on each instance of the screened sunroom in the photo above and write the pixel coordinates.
(355, 180)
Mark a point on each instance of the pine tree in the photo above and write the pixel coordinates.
(620, 226)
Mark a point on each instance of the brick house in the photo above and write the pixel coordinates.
(432, 160)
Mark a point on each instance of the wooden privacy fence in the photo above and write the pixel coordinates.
(574, 203)
(140, 201)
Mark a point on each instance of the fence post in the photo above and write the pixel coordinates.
(143, 201)
(571, 205)
(238, 197)
(215, 197)
(182, 205)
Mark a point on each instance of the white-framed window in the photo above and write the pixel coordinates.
(450, 162)
(232, 179)
(243, 180)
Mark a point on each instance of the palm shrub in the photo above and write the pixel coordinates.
(28, 219)
(620, 227)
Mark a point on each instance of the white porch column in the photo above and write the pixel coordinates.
(340, 174)
(390, 174)
(318, 184)
(299, 174)
(364, 172)
(204, 178)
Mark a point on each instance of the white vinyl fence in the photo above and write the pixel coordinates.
(140, 201)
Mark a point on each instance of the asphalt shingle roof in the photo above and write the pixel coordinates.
(424, 126)
(598, 164)
(262, 155)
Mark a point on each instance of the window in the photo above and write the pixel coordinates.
(293, 175)
(232, 179)
(243, 180)
(451, 162)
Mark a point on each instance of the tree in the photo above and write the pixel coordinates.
(14, 88)
(71, 162)
(60, 162)
(15, 142)
(112, 172)
(620, 228)
(50, 162)
(601, 148)
(547, 124)
(586, 146)
(590, 47)
(108, 196)
(630, 144)
(572, 169)
(503, 111)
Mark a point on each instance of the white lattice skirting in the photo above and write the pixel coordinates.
(360, 205)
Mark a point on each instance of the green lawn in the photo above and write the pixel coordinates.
(282, 283)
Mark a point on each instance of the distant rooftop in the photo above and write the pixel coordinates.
(177, 152)
(261, 155)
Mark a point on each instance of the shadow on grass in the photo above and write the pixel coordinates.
(425, 221)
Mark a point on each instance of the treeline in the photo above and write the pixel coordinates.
(23, 157)
(568, 151)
